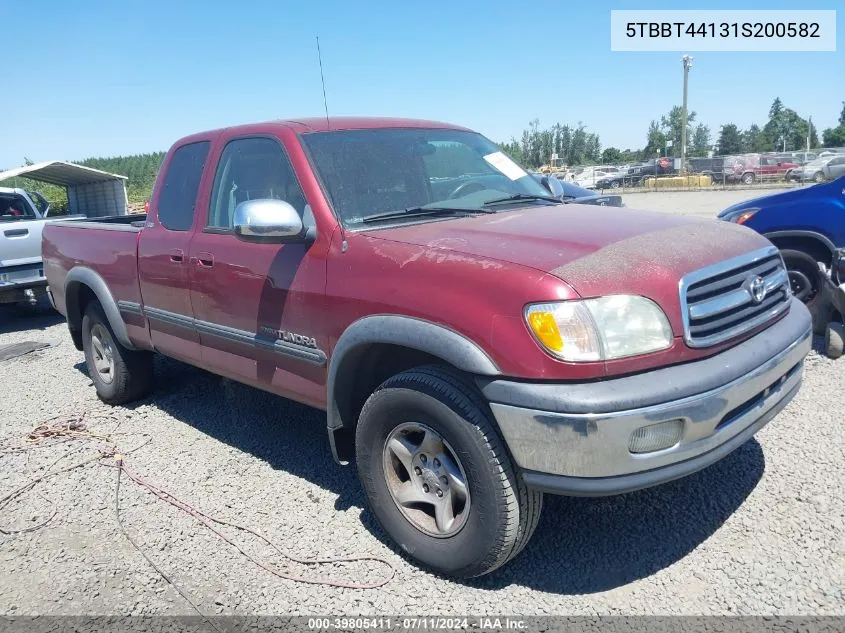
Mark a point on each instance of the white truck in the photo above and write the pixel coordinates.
(23, 213)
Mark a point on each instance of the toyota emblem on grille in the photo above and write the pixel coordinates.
(757, 288)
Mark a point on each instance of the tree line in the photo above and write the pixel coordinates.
(140, 170)
(784, 130)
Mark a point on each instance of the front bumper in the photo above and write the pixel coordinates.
(574, 438)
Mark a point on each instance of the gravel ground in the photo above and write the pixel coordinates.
(758, 533)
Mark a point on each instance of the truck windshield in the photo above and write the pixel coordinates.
(376, 171)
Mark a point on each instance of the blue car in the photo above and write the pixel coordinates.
(808, 226)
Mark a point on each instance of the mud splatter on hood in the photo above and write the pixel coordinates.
(583, 244)
(596, 250)
(664, 253)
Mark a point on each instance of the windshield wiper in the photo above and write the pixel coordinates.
(521, 196)
(411, 212)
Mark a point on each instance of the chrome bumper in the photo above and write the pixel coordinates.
(587, 453)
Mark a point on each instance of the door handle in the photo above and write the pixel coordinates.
(205, 260)
(177, 255)
(16, 233)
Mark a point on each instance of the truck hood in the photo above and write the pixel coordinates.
(596, 250)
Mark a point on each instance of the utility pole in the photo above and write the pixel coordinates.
(809, 131)
(687, 61)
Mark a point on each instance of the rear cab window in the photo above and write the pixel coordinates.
(181, 182)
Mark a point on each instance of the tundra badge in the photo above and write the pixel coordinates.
(289, 337)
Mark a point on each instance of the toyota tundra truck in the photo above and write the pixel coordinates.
(474, 343)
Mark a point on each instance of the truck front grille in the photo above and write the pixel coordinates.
(732, 297)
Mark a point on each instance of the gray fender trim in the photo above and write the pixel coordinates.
(409, 332)
(82, 275)
(799, 233)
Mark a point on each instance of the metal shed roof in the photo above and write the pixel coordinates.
(60, 173)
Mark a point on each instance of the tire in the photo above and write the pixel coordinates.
(834, 340)
(748, 178)
(500, 513)
(129, 373)
(818, 177)
(806, 280)
(615, 184)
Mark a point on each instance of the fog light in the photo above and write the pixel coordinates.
(656, 437)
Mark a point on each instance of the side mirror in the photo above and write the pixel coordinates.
(268, 220)
(553, 185)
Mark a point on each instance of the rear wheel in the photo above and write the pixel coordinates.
(615, 184)
(119, 375)
(438, 477)
(818, 176)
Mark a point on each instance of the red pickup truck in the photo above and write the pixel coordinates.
(474, 342)
(756, 167)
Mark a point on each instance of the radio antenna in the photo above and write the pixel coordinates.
(323, 81)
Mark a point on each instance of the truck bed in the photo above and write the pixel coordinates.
(108, 246)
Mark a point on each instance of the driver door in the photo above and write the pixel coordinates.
(248, 296)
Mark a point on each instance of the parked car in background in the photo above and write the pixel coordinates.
(831, 151)
(23, 214)
(635, 175)
(835, 167)
(802, 158)
(573, 194)
(815, 170)
(713, 167)
(618, 180)
(808, 226)
(750, 168)
(474, 343)
(589, 176)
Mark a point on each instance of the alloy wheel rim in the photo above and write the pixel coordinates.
(426, 479)
(102, 353)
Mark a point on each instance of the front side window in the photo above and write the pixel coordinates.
(252, 169)
(181, 183)
(370, 172)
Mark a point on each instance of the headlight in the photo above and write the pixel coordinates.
(741, 216)
(599, 329)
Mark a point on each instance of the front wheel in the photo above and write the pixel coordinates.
(748, 178)
(438, 477)
(818, 177)
(805, 280)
